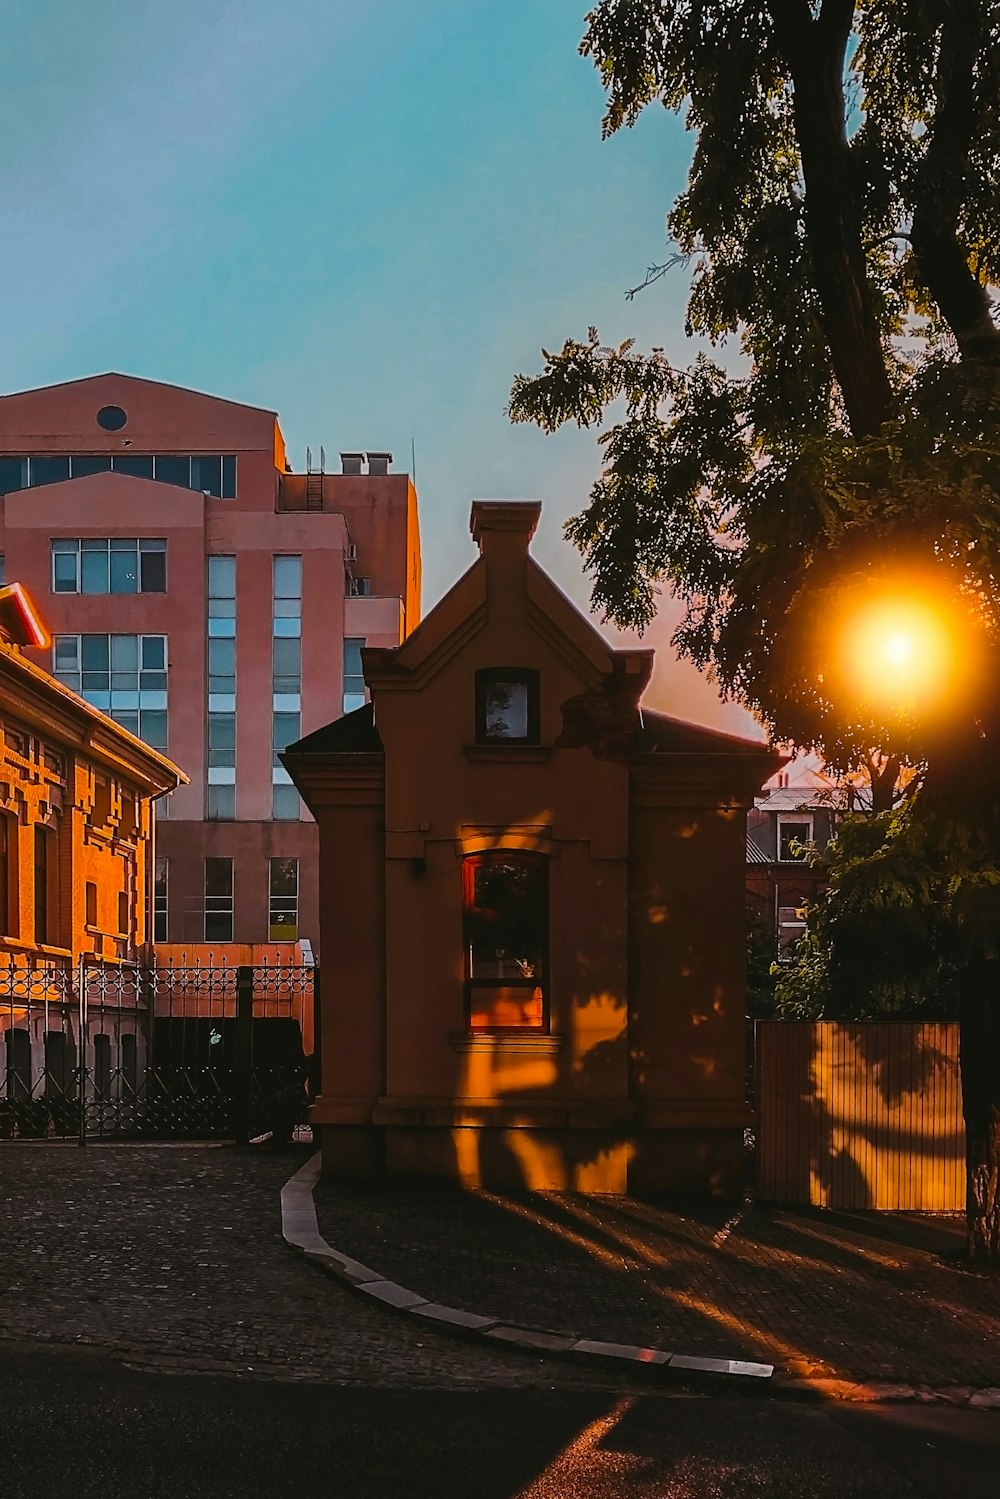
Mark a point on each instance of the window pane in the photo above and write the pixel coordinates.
(94, 570)
(219, 877)
(82, 464)
(153, 571)
(284, 804)
(170, 468)
(153, 727)
(229, 478)
(353, 701)
(352, 658)
(66, 653)
(125, 570)
(206, 474)
(128, 718)
(64, 571)
(125, 654)
(287, 656)
(222, 730)
(49, 470)
(154, 652)
(220, 803)
(793, 832)
(222, 657)
(285, 729)
(288, 577)
(94, 652)
(507, 710)
(222, 577)
(284, 876)
(13, 474)
(134, 464)
(506, 918)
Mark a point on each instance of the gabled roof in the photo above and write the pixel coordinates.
(36, 390)
(354, 734)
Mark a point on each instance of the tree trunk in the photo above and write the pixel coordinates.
(815, 51)
(979, 1050)
(942, 256)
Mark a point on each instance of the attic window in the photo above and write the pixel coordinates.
(507, 705)
(111, 418)
(793, 834)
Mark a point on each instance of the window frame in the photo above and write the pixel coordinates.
(224, 904)
(794, 819)
(527, 676)
(276, 901)
(529, 858)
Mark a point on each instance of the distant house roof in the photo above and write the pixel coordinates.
(354, 734)
(755, 854)
(799, 799)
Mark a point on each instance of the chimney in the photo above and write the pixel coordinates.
(351, 463)
(378, 463)
(503, 529)
(509, 518)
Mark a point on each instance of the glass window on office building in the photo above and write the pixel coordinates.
(218, 900)
(354, 676)
(123, 675)
(286, 680)
(283, 900)
(116, 564)
(160, 898)
(220, 775)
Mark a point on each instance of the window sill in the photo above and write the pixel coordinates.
(16, 944)
(535, 1042)
(499, 754)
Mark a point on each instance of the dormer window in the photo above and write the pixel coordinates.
(507, 705)
(793, 833)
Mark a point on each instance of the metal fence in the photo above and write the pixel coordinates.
(110, 1050)
(855, 1116)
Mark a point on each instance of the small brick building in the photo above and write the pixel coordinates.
(532, 903)
(76, 818)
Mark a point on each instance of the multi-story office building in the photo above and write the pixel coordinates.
(213, 602)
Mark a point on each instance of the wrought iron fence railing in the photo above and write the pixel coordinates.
(99, 1049)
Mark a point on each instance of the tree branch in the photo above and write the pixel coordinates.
(941, 258)
(654, 272)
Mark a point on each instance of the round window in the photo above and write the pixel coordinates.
(111, 418)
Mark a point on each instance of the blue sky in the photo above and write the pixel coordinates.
(367, 216)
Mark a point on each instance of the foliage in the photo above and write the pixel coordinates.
(842, 222)
(912, 895)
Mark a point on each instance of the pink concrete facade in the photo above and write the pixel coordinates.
(359, 526)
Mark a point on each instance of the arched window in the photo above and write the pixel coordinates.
(505, 930)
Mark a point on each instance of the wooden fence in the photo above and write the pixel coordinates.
(860, 1116)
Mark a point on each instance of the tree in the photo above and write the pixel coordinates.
(842, 221)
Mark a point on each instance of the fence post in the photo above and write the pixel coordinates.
(81, 998)
(244, 1054)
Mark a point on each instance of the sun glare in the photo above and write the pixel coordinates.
(901, 652)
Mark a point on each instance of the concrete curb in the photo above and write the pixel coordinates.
(300, 1229)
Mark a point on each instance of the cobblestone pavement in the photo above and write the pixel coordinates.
(849, 1296)
(172, 1256)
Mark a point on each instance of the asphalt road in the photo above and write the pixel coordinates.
(76, 1423)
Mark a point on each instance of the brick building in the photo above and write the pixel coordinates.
(213, 603)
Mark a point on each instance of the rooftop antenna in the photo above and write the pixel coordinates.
(413, 461)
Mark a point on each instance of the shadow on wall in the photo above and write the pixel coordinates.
(862, 1116)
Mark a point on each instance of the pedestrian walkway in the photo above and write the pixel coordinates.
(884, 1299)
(172, 1257)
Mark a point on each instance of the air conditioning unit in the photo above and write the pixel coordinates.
(351, 553)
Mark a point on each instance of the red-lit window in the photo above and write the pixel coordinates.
(505, 920)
